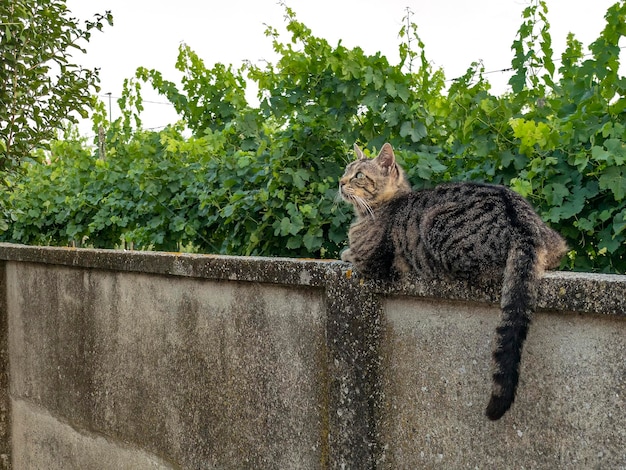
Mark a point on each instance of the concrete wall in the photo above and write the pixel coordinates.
(115, 360)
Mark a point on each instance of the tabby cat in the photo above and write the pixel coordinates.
(458, 231)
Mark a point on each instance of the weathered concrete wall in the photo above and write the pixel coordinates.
(569, 411)
(150, 360)
(206, 374)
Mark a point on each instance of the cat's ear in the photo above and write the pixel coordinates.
(386, 159)
(359, 152)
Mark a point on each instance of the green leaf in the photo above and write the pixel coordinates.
(599, 154)
(294, 243)
(555, 193)
(296, 224)
(285, 226)
(616, 148)
(521, 186)
(614, 179)
(313, 240)
(415, 130)
(390, 87)
(609, 242)
(403, 92)
(619, 223)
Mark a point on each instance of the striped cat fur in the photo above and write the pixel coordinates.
(458, 231)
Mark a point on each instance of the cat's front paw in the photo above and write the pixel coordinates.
(346, 256)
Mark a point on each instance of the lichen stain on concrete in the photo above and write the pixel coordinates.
(181, 268)
(305, 277)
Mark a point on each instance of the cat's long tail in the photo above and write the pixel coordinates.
(519, 297)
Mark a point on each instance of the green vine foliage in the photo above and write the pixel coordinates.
(261, 179)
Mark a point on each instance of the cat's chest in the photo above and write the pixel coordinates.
(369, 230)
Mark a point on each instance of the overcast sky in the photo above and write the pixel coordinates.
(455, 32)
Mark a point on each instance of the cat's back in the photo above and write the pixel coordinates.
(469, 192)
(474, 197)
(477, 214)
(464, 196)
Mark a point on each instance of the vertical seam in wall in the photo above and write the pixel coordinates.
(5, 405)
(353, 333)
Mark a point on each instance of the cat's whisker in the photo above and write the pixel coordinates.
(338, 202)
(348, 194)
(369, 209)
(338, 197)
(363, 204)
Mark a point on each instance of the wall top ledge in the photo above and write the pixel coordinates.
(560, 291)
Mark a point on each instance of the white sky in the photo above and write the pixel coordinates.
(455, 32)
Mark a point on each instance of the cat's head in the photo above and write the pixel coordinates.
(369, 182)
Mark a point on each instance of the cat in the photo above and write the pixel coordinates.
(461, 231)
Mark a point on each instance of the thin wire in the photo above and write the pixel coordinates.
(510, 69)
(143, 101)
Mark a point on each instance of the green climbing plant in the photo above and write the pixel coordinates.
(260, 179)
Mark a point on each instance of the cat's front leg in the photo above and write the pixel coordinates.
(346, 256)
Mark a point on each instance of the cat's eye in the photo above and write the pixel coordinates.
(359, 176)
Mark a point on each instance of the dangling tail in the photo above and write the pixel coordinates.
(519, 297)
